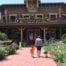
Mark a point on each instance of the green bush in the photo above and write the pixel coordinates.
(64, 38)
(3, 36)
(58, 51)
(7, 50)
(3, 52)
(48, 45)
(13, 48)
(47, 48)
(58, 55)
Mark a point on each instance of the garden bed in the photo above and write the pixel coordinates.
(57, 51)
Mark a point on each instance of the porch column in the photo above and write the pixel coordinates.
(60, 20)
(60, 32)
(21, 35)
(6, 14)
(44, 35)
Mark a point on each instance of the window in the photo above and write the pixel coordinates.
(39, 16)
(64, 17)
(4, 19)
(25, 16)
(53, 17)
(7, 18)
(19, 16)
(12, 18)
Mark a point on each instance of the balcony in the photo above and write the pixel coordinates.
(31, 22)
(23, 22)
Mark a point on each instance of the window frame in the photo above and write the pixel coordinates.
(63, 15)
(50, 14)
(36, 16)
(12, 15)
(26, 15)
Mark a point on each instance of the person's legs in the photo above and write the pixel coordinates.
(32, 51)
(38, 51)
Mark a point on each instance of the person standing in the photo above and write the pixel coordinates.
(32, 51)
(38, 44)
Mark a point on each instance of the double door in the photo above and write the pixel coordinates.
(32, 34)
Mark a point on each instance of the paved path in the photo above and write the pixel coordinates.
(23, 58)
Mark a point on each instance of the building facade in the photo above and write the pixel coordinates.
(26, 21)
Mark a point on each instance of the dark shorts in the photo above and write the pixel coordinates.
(38, 47)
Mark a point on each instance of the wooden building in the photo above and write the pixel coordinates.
(26, 21)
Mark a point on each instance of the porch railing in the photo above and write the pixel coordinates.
(31, 22)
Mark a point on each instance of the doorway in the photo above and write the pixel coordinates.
(31, 35)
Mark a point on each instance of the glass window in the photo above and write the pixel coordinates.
(26, 16)
(7, 18)
(4, 19)
(53, 17)
(12, 18)
(64, 17)
(19, 16)
(39, 16)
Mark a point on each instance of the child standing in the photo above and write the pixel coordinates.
(32, 51)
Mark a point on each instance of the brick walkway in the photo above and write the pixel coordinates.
(23, 58)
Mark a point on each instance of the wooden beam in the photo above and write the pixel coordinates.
(44, 35)
(21, 35)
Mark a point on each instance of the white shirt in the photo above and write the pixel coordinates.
(38, 42)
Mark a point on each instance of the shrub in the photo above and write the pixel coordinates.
(6, 50)
(58, 51)
(58, 55)
(64, 38)
(13, 48)
(3, 36)
(47, 48)
(3, 52)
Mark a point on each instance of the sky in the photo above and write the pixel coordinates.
(22, 1)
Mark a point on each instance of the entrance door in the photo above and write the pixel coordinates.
(31, 36)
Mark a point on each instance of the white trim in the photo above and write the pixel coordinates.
(12, 15)
(26, 15)
(38, 15)
(64, 14)
(52, 14)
